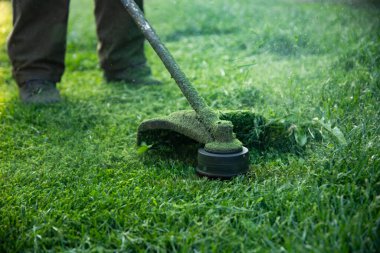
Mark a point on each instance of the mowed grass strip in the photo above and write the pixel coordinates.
(71, 178)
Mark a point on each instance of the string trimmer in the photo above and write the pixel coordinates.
(223, 155)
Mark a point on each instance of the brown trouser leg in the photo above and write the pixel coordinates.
(37, 43)
(121, 44)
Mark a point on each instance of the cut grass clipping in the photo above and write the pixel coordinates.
(72, 178)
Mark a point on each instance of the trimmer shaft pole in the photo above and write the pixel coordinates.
(196, 101)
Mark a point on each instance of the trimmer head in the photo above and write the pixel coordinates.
(169, 129)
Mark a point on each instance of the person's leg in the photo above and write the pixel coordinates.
(37, 43)
(121, 44)
(36, 46)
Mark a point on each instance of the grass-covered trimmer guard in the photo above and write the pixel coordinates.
(223, 154)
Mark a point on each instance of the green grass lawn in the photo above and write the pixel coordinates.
(72, 179)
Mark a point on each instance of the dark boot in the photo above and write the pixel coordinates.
(136, 75)
(39, 92)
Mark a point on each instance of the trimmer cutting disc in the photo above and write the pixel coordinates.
(222, 166)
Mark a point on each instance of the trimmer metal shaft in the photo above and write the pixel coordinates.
(196, 101)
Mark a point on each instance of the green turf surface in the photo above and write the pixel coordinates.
(72, 179)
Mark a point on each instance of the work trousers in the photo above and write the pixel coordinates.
(37, 44)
